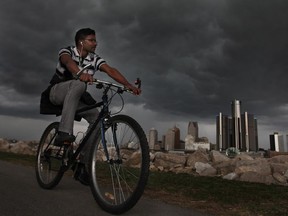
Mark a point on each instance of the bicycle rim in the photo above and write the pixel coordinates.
(119, 176)
(49, 159)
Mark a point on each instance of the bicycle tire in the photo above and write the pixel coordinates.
(119, 183)
(49, 159)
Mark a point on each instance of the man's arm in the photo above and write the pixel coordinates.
(73, 68)
(117, 76)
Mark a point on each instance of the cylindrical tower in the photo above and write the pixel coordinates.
(153, 138)
(236, 118)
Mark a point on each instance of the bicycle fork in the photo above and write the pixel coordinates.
(104, 126)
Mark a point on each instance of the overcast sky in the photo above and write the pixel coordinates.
(193, 56)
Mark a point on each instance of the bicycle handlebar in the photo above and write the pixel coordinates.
(109, 84)
(96, 81)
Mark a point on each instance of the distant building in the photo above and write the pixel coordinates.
(193, 141)
(286, 143)
(236, 124)
(193, 129)
(191, 145)
(223, 131)
(276, 142)
(249, 133)
(177, 144)
(172, 139)
(162, 144)
(153, 138)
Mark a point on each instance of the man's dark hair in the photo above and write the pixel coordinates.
(81, 34)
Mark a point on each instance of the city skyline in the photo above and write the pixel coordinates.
(238, 130)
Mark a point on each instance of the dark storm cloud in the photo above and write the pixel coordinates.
(31, 34)
(169, 44)
(194, 57)
(256, 52)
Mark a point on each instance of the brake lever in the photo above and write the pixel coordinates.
(138, 83)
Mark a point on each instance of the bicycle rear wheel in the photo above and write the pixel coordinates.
(49, 159)
(119, 175)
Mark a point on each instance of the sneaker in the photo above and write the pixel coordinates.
(63, 137)
(81, 174)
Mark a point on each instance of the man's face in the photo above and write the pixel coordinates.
(90, 43)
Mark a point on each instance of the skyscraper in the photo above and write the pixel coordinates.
(276, 142)
(223, 131)
(193, 129)
(172, 139)
(153, 138)
(236, 120)
(219, 132)
(249, 132)
(177, 144)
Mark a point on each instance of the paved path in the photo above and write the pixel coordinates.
(20, 195)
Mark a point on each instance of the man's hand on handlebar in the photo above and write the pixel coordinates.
(135, 90)
(85, 77)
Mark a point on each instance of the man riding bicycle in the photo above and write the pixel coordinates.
(70, 93)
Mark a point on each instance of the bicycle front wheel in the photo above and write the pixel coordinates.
(119, 171)
(49, 159)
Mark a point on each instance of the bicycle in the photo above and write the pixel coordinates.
(118, 162)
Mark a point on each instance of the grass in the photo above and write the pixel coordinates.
(27, 160)
(208, 194)
(221, 197)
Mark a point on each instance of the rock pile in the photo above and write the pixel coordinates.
(250, 167)
(244, 167)
(18, 147)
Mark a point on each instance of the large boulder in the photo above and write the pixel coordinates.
(205, 169)
(199, 155)
(251, 176)
(217, 157)
(231, 176)
(261, 167)
(279, 159)
(280, 178)
(4, 145)
(21, 148)
(134, 160)
(224, 167)
(169, 161)
(281, 168)
(243, 157)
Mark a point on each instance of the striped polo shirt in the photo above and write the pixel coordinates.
(62, 73)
